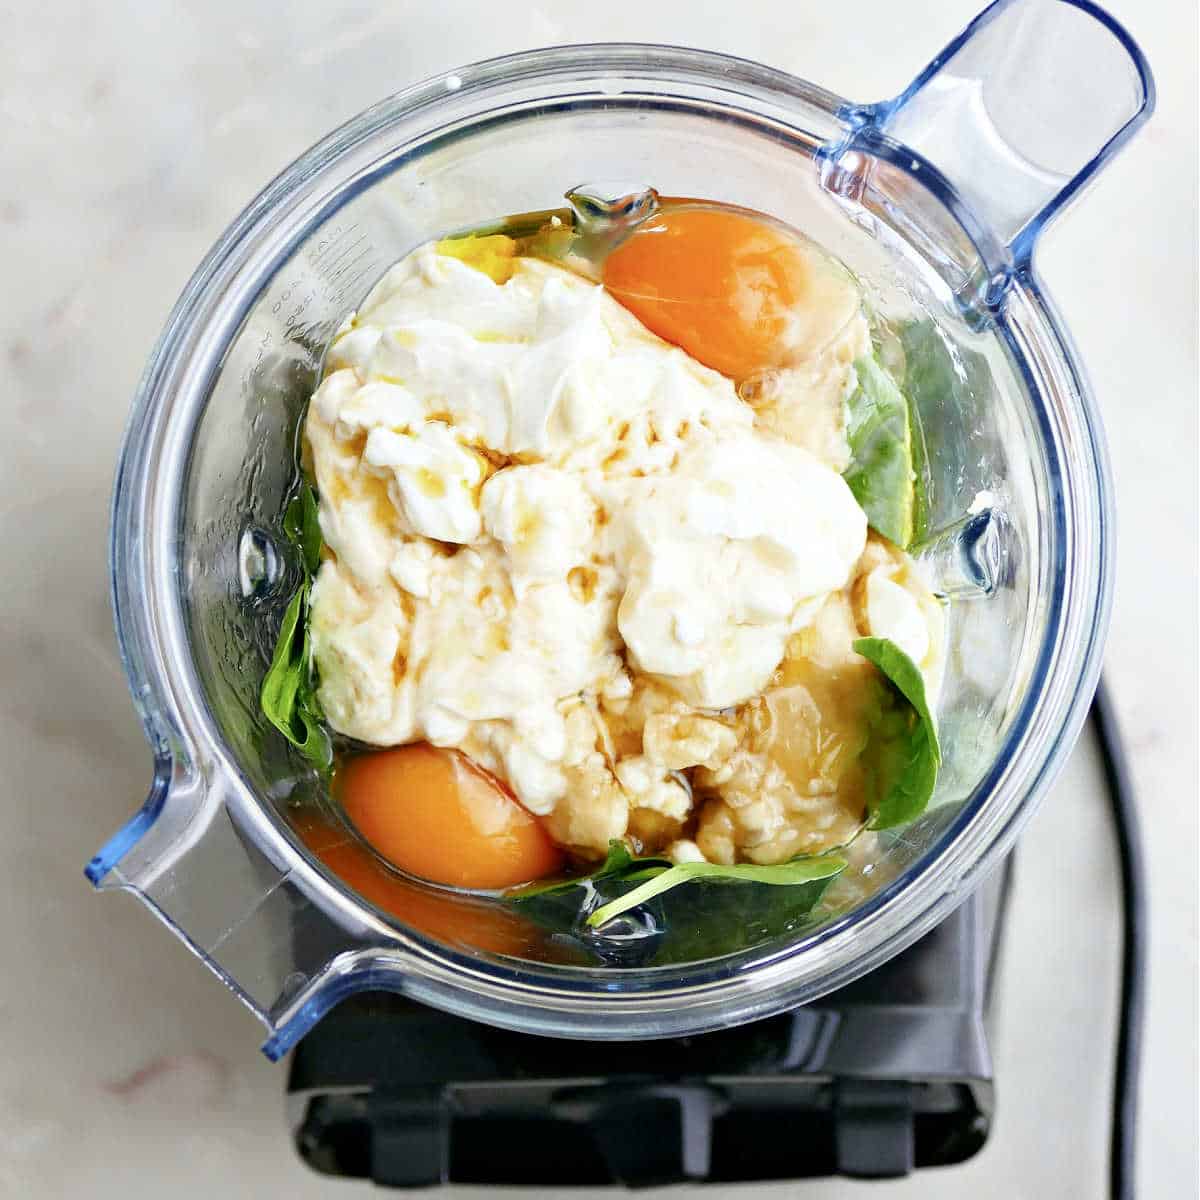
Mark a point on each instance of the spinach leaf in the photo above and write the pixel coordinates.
(952, 395)
(303, 529)
(617, 862)
(709, 919)
(904, 751)
(879, 430)
(798, 870)
(289, 694)
(282, 681)
(681, 925)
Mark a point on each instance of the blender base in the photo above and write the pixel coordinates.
(890, 1073)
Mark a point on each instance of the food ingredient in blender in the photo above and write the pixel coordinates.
(737, 293)
(908, 754)
(447, 916)
(288, 692)
(626, 585)
(905, 761)
(706, 918)
(880, 437)
(436, 815)
(775, 313)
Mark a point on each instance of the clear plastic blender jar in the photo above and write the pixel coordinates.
(935, 199)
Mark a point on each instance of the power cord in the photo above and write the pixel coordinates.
(1131, 1019)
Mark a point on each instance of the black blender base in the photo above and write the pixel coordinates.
(886, 1075)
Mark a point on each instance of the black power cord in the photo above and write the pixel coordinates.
(1130, 1022)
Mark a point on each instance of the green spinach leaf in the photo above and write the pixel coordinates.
(711, 918)
(952, 397)
(904, 750)
(705, 920)
(619, 861)
(303, 528)
(798, 870)
(281, 684)
(560, 905)
(881, 475)
(289, 695)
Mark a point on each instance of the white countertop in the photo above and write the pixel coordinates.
(133, 133)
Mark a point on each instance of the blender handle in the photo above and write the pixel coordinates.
(193, 856)
(1010, 121)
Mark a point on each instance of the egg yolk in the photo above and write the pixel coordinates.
(446, 917)
(735, 293)
(492, 254)
(431, 812)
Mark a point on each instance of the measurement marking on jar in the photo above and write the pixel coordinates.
(335, 266)
(358, 258)
(352, 284)
(252, 370)
(333, 262)
(328, 241)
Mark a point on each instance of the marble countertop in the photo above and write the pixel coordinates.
(135, 131)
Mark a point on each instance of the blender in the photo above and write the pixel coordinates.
(935, 199)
